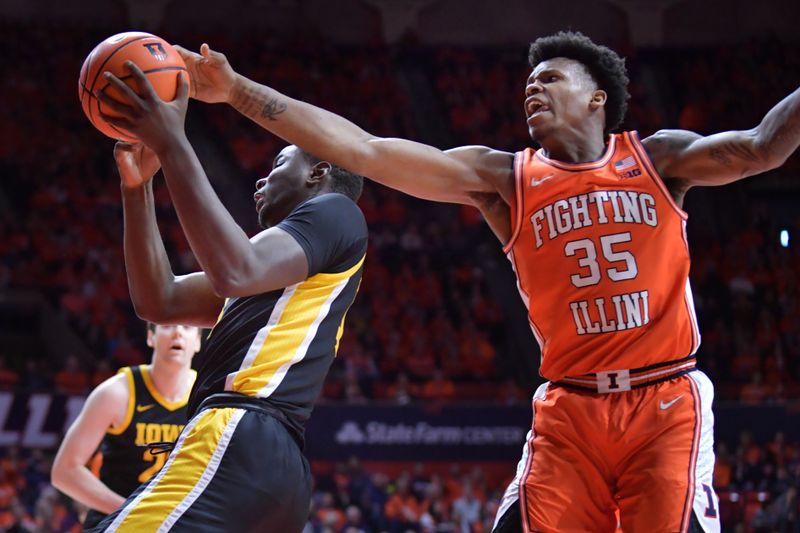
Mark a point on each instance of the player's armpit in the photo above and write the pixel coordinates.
(713, 160)
(494, 169)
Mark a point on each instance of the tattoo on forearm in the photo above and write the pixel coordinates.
(255, 103)
(726, 153)
(272, 109)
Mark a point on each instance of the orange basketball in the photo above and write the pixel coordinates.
(160, 62)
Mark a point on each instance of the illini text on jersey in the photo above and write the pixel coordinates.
(600, 314)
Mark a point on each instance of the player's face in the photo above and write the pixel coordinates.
(558, 94)
(175, 343)
(284, 187)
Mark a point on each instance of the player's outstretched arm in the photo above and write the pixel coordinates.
(157, 294)
(411, 167)
(729, 156)
(106, 407)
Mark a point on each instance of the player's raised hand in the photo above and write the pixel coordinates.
(156, 123)
(212, 76)
(137, 164)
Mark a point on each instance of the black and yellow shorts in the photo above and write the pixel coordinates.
(234, 469)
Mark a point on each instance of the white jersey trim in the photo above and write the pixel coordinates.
(302, 350)
(261, 335)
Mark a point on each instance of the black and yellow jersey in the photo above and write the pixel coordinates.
(279, 345)
(149, 418)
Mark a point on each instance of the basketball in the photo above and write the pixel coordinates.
(159, 61)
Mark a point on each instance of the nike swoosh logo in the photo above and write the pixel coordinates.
(143, 408)
(536, 183)
(667, 405)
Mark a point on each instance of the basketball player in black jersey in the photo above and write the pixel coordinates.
(276, 302)
(125, 413)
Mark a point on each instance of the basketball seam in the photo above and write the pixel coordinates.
(160, 69)
(91, 119)
(100, 69)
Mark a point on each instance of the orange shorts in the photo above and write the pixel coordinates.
(646, 454)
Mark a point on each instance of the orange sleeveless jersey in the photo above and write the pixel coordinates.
(602, 262)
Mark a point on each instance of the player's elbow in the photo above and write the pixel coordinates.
(230, 284)
(368, 155)
(59, 475)
(150, 310)
(156, 309)
(766, 152)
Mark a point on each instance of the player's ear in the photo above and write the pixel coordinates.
(150, 341)
(598, 100)
(319, 173)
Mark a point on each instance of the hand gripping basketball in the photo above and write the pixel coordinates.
(157, 123)
(212, 76)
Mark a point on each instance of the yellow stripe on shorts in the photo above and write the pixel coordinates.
(188, 471)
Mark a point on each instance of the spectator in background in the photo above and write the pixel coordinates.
(467, 508)
(9, 378)
(354, 522)
(439, 388)
(72, 379)
(402, 510)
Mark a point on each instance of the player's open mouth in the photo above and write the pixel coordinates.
(534, 107)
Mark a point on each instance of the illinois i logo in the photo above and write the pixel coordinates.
(156, 50)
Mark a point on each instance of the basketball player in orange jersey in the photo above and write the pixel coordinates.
(125, 413)
(593, 226)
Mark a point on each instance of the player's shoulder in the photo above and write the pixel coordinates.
(115, 389)
(666, 141)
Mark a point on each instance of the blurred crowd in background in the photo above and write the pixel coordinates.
(756, 483)
(427, 324)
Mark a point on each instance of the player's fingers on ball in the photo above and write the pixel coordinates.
(183, 87)
(144, 85)
(113, 103)
(124, 88)
(118, 122)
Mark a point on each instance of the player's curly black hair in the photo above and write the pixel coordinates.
(605, 65)
(342, 181)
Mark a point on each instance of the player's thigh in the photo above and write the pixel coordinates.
(231, 470)
(263, 484)
(666, 483)
(565, 486)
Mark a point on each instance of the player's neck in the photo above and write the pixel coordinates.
(574, 147)
(170, 380)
